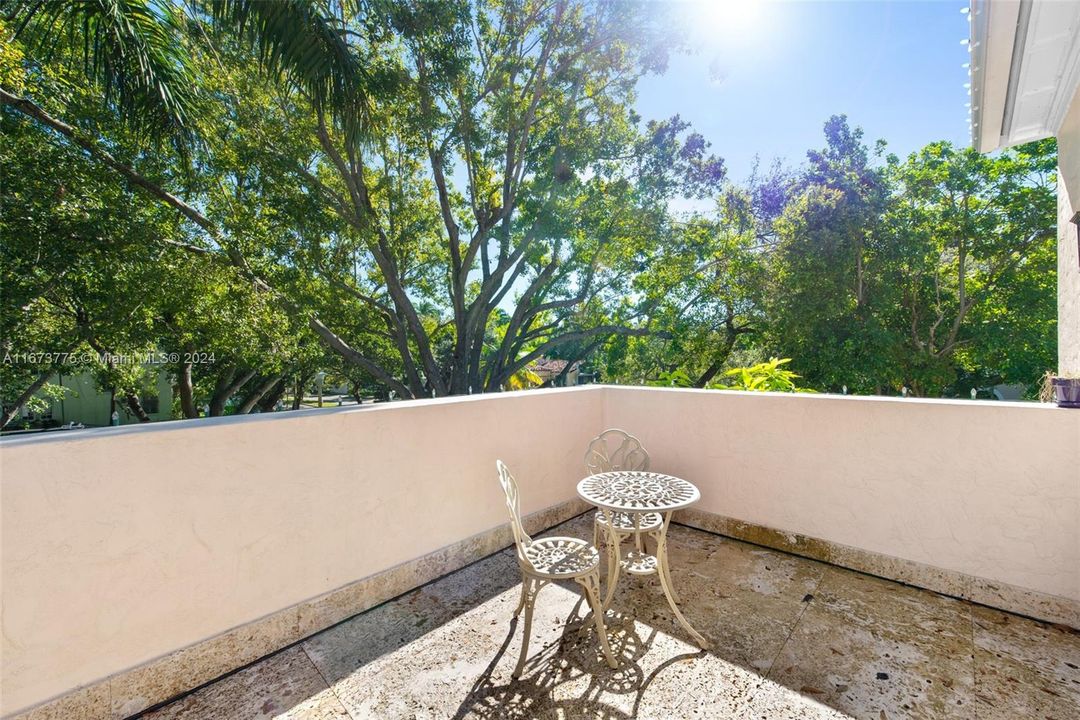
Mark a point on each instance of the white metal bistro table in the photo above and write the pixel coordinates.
(636, 493)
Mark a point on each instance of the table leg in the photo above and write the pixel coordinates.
(614, 558)
(665, 570)
(665, 583)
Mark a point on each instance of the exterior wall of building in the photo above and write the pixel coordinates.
(1068, 248)
(123, 546)
(82, 403)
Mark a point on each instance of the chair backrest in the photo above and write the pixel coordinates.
(615, 449)
(513, 504)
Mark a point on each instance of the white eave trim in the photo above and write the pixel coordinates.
(993, 35)
(1025, 69)
(1069, 84)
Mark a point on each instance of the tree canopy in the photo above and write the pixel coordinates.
(426, 198)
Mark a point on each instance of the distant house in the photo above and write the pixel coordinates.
(84, 402)
(549, 369)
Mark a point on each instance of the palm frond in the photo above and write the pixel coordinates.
(131, 48)
(302, 40)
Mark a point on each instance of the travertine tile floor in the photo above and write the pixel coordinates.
(793, 638)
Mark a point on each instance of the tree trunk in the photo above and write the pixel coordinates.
(11, 412)
(270, 400)
(255, 395)
(710, 372)
(218, 397)
(227, 386)
(186, 391)
(731, 334)
(298, 392)
(135, 406)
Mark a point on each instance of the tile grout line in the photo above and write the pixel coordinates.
(795, 624)
(326, 682)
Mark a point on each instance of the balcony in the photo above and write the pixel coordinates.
(850, 557)
(793, 638)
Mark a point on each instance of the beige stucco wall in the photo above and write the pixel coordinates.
(1068, 252)
(122, 544)
(985, 488)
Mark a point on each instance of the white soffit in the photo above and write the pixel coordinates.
(1025, 69)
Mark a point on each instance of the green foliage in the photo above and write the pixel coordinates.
(671, 378)
(92, 266)
(768, 376)
(971, 264)
(823, 286)
(914, 273)
(426, 197)
(132, 49)
(298, 40)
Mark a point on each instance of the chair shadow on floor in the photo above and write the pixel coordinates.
(576, 654)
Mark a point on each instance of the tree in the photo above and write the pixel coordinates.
(74, 250)
(972, 263)
(825, 274)
(705, 282)
(97, 266)
(916, 273)
(529, 104)
(443, 192)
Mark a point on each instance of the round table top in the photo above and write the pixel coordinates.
(637, 491)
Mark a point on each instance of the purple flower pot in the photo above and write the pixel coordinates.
(1067, 392)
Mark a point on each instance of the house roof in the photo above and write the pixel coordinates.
(548, 365)
(1025, 69)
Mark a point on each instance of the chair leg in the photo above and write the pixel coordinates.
(591, 585)
(614, 559)
(532, 587)
(595, 533)
(524, 591)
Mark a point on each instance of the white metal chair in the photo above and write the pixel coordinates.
(553, 558)
(612, 450)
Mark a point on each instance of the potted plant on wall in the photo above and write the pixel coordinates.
(1062, 389)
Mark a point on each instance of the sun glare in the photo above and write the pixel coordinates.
(723, 24)
(725, 17)
(730, 33)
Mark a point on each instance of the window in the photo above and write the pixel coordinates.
(149, 402)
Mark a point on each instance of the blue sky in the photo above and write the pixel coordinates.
(765, 75)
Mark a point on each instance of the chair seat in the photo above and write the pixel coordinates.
(561, 557)
(625, 521)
